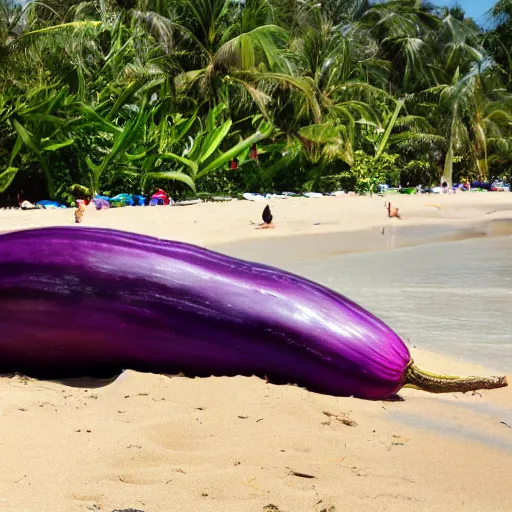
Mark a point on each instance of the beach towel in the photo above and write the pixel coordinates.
(160, 195)
(101, 204)
(27, 205)
(253, 197)
(48, 205)
(139, 200)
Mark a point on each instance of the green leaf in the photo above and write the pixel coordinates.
(92, 167)
(197, 144)
(132, 158)
(389, 128)
(46, 117)
(123, 97)
(59, 145)
(214, 140)
(16, 149)
(7, 177)
(213, 114)
(185, 127)
(73, 24)
(185, 161)
(59, 98)
(27, 137)
(320, 133)
(235, 150)
(124, 139)
(105, 125)
(178, 176)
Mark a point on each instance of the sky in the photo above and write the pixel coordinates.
(476, 9)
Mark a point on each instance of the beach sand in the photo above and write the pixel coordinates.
(212, 224)
(159, 443)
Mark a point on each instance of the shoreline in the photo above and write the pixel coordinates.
(361, 240)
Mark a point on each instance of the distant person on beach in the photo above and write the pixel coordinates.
(24, 204)
(80, 211)
(267, 219)
(392, 212)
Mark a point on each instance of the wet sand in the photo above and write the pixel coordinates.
(160, 443)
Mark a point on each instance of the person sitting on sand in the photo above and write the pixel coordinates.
(267, 219)
(80, 211)
(392, 212)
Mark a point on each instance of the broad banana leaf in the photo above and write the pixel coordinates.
(27, 137)
(124, 139)
(214, 140)
(177, 176)
(235, 150)
(182, 160)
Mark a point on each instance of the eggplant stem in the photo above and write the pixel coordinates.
(433, 383)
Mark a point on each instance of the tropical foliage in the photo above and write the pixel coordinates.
(126, 95)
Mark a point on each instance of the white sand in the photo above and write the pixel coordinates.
(156, 443)
(216, 223)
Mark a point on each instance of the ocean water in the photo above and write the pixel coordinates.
(453, 297)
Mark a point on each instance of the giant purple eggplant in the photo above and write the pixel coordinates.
(81, 301)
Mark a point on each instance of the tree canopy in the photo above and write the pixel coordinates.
(126, 95)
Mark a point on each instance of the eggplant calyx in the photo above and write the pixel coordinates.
(433, 383)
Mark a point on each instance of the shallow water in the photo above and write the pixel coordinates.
(451, 297)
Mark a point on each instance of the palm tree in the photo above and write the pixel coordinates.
(122, 93)
(222, 47)
(475, 116)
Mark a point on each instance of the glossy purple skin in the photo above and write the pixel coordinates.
(79, 301)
